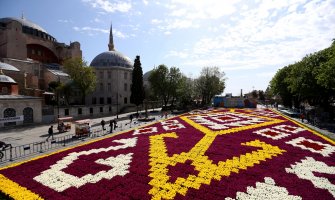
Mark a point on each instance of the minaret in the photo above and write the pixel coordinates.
(111, 42)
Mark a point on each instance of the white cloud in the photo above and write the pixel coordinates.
(110, 6)
(94, 31)
(65, 21)
(180, 54)
(167, 33)
(268, 35)
(202, 9)
(156, 21)
(145, 2)
(180, 24)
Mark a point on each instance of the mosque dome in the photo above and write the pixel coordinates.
(111, 59)
(23, 22)
(6, 79)
(146, 75)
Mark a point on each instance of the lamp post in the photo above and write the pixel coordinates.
(58, 97)
(117, 104)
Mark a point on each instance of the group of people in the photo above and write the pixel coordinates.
(112, 124)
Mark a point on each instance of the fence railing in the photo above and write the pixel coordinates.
(14, 153)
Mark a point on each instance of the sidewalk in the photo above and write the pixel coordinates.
(24, 135)
(324, 132)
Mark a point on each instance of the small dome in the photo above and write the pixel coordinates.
(146, 75)
(24, 22)
(6, 79)
(8, 67)
(111, 59)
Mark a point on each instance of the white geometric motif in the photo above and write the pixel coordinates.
(265, 190)
(59, 181)
(172, 125)
(325, 151)
(288, 128)
(305, 168)
(278, 135)
(145, 130)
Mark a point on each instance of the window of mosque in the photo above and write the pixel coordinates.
(101, 75)
(109, 87)
(94, 100)
(125, 100)
(109, 100)
(91, 110)
(101, 109)
(102, 100)
(125, 87)
(101, 87)
(109, 73)
(125, 75)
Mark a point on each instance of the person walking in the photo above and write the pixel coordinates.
(50, 133)
(115, 124)
(4, 146)
(103, 124)
(111, 122)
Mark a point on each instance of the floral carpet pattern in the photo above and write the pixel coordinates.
(207, 154)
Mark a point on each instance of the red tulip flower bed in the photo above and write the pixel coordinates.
(211, 154)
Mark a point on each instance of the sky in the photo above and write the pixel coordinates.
(248, 40)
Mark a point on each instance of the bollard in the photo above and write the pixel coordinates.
(10, 154)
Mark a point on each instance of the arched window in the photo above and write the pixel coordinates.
(9, 112)
(28, 115)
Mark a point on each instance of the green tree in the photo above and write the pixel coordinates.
(137, 90)
(254, 94)
(174, 82)
(279, 86)
(186, 92)
(261, 95)
(159, 83)
(210, 83)
(82, 76)
(55, 87)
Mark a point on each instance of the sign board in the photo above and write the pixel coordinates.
(11, 119)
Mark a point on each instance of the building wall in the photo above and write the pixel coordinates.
(19, 105)
(119, 86)
(73, 111)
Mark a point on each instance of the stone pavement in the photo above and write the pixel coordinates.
(324, 132)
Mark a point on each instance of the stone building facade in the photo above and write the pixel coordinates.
(17, 109)
(32, 50)
(114, 77)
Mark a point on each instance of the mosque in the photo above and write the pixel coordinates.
(114, 77)
(30, 58)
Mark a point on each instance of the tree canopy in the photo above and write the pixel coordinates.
(165, 82)
(309, 80)
(137, 90)
(210, 83)
(82, 75)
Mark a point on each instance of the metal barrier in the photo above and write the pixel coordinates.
(22, 151)
(14, 153)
